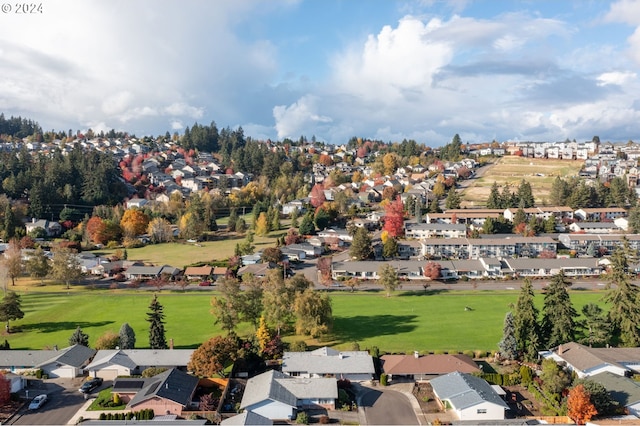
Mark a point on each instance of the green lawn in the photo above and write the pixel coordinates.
(404, 322)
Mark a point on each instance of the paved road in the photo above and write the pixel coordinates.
(387, 407)
(64, 401)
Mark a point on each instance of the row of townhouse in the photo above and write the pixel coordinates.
(475, 248)
(473, 268)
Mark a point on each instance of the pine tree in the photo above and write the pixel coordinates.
(623, 296)
(526, 322)
(155, 317)
(525, 195)
(361, 244)
(306, 226)
(127, 337)
(10, 309)
(558, 319)
(294, 218)
(453, 199)
(79, 338)
(493, 202)
(508, 345)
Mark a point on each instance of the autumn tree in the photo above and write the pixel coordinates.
(134, 222)
(160, 230)
(10, 309)
(580, 409)
(65, 266)
(37, 265)
(213, 356)
(79, 338)
(317, 195)
(431, 270)
(13, 260)
(263, 334)
(262, 225)
(323, 265)
(155, 318)
(96, 230)
(5, 389)
(313, 312)
(394, 218)
(108, 340)
(226, 307)
(388, 278)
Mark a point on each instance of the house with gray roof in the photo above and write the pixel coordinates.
(247, 418)
(111, 363)
(170, 392)
(623, 390)
(586, 361)
(434, 230)
(150, 272)
(326, 362)
(571, 267)
(66, 363)
(469, 397)
(278, 396)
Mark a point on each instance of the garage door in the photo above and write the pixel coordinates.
(107, 374)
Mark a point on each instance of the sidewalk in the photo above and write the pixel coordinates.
(82, 412)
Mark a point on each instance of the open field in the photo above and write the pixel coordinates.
(540, 173)
(404, 322)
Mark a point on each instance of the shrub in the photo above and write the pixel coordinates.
(526, 375)
(39, 374)
(299, 346)
(468, 353)
(116, 399)
(383, 379)
(302, 418)
(103, 416)
(344, 384)
(324, 420)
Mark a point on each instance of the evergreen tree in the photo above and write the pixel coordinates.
(418, 212)
(519, 217)
(294, 218)
(155, 317)
(127, 337)
(508, 345)
(493, 202)
(453, 199)
(360, 245)
(233, 219)
(306, 226)
(10, 309)
(558, 317)
(526, 322)
(79, 338)
(596, 326)
(525, 195)
(622, 296)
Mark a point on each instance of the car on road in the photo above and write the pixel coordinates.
(38, 402)
(90, 385)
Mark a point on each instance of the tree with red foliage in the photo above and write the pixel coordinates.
(432, 270)
(317, 195)
(579, 406)
(394, 218)
(292, 237)
(324, 268)
(547, 254)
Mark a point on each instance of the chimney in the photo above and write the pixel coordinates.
(560, 350)
(171, 343)
(416, 354)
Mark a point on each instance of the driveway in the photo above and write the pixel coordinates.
(64, 400)
(383, 406)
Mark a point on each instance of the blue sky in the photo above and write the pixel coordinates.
(381, 69)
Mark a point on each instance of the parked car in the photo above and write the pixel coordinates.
(38, 402)
(205, 283)
(90, 385)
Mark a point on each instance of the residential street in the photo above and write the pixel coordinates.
(384, 406)
(64, 400)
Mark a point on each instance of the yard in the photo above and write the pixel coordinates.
(408, 321)
(539, 172)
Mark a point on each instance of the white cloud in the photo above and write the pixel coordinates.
(295, 119)
(628, 12)
(618, 78)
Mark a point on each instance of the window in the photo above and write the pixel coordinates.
(482, 411)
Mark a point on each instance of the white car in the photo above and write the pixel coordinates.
(38, 402)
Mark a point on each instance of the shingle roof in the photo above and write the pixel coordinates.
(465, 390)
(428, 364)
(247, 418)
(75, 356)
(584, 358)
(132, 358)
(328, 361)
(621, 389)
(173, 384)
(264, 387)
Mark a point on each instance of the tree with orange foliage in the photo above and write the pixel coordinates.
(394, 218)
(432, 270)
(317, 195)
(5, 389)
(579, 406)
(96, 230)
(134, 222)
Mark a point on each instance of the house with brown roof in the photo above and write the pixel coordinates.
(198, 272)
(426, 367)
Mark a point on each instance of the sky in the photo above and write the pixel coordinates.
(387, 70)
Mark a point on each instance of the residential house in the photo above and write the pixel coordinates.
(434, 230)
(65, 363)
(571, 267)
(470, 217)
(544, 213)
(355, 366)
(247, 418)
(426, 367)
(198, 272)
(278, 396)
(111, 363)
(600, 213)
(150, 272)
(586, 361)
(136, 203)
(470, 397)
(623, 390)
(53, 229)
(581, 243)
(457, 248)
(512, 246)
(595, 227)
(258, 270)
(169, 392)
(309, 249)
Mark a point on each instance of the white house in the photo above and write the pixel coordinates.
(111, 363)
(66, 363)
(326, 362)
(587, 362)
(470, 397)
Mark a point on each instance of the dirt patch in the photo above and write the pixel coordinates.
(522, 402)
(426, 398)
(9, 409)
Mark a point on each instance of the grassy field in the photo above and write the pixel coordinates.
(404, 322)
(540, 173)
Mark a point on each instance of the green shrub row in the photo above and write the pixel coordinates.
(146, 414)
(501, 379)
